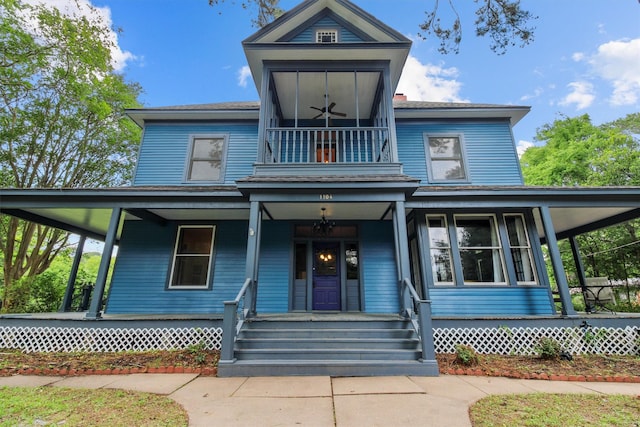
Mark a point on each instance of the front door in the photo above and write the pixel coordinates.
(326, 276)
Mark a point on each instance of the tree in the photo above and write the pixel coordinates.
(576, 152)
(505, 22)
(62, 122)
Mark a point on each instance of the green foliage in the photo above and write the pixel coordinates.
(62, 121)
(548, 348)
(466, 355)
(578, 153)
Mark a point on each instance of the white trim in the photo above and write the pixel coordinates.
(208, 283)
(498, 246)
(331, 32)
(223, 157)
(463, 158)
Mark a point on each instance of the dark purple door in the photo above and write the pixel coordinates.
(326, 276)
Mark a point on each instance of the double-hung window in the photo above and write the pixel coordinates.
(192, 257)
(440, 248)
(520, 249)
(206, 159)
(480, 249)
(446, 161)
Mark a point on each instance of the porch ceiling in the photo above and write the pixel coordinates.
(88, 211)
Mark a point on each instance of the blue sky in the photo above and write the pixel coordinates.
(585, 57)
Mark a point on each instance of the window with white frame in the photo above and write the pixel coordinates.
(192, 257)
(445, 158)
(480, 249)
(520, 249)
(206, 160)
(327, 36)
(440, 249)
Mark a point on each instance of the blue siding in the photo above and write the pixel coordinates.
(491, 154)
(483, 301)
(141, 270)
(379, 272)
(274, 273)
(309, 35)
(164, 151)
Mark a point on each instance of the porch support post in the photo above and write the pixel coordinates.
(105, 261)
(68, 293)
(577, 258)
(556, 262)
(253, 255)
(402, 254)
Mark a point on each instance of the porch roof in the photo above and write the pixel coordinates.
(574, 210)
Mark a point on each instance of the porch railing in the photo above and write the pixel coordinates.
(233, 319)
(327, 145)
(419, 314)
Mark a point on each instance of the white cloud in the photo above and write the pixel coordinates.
(522, 147)
(536, 94)
(244, 74)
(120, 57)
(581, 95)
(428, 82)
(618, 62)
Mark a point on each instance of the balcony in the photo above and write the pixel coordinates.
(327, 151)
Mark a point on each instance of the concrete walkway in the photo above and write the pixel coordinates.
(324, 401)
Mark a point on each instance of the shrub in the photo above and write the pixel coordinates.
(548, 348)
(466, 355)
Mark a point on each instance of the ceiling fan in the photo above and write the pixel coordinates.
(328, 111)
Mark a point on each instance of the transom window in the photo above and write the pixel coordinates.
(326, 36)
(445, 158)
(192, 257)
(206, 161)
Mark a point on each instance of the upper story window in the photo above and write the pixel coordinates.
(192, 257)
(327, 36)
(446, 162)
(206, 158)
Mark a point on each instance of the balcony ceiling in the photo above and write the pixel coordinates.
(339, 88)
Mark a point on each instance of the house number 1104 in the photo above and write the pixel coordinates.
(326, 196)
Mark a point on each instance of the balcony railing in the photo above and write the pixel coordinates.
(327, 145)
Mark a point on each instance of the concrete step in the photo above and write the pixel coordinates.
(292, 332)
(336, 368)
(316, 342)
(326, 354)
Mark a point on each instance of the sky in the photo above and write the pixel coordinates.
(585, 57)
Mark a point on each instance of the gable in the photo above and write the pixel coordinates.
(326, 21)
(344, 13)
(360, 37)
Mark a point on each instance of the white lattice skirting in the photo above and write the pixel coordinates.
(507, 341)
(45, 339)
(523, 341)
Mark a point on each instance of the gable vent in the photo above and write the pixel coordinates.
(327, 36)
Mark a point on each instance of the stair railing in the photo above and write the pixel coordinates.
(233, 320)
(419, 312)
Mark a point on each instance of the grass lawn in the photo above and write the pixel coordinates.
(561, 410)
(30, 406)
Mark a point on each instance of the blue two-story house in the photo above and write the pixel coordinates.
(331, 203)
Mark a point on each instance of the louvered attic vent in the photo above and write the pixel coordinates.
(327, 36)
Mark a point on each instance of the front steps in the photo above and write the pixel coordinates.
(326, 344)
